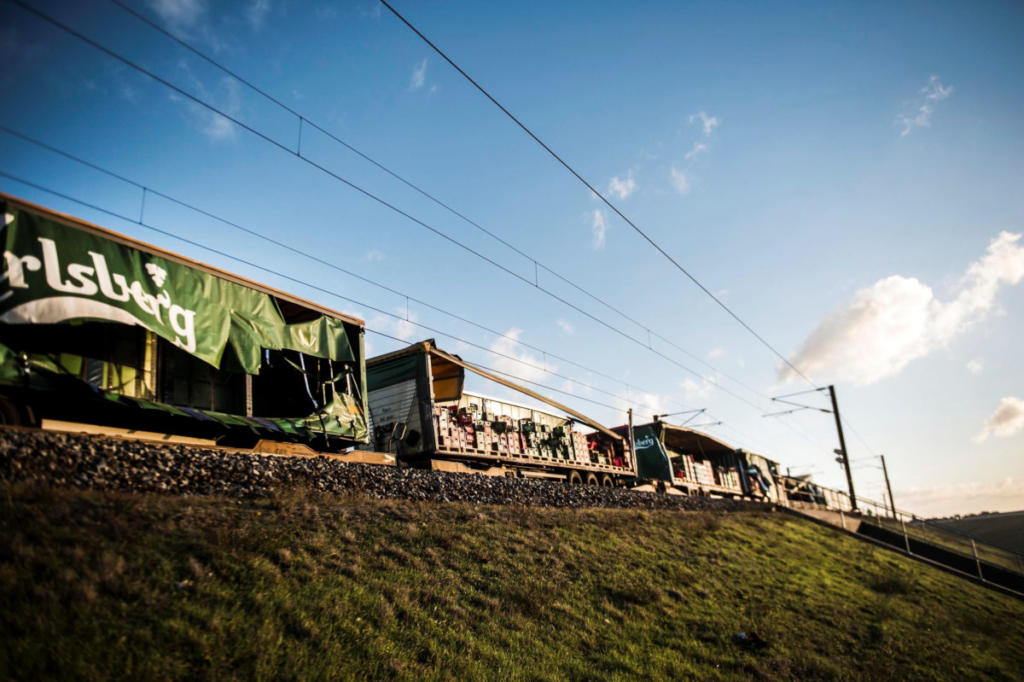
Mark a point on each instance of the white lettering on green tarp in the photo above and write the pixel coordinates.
(54, 273)
(647, 441)
(81, 280)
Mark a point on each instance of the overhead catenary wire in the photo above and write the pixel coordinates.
(146, 189)
(509, 375)
(277, 273)
(297, 153)
(304, 120)
(149, 190)
(593, 189)
(141, 222)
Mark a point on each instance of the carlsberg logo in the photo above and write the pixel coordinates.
(645, 442)
(95, 278)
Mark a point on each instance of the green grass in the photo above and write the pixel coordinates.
(1003, 530)
(100, 586)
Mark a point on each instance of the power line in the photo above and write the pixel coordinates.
(446, 206)
(614, 208)
(306, 254)
(601, 196)
(141, 222)
(145, 189)
(304, 120)
(510, 375)
(297, 153)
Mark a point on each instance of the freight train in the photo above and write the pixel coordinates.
(101, 332)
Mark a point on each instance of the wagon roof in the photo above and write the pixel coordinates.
(430, 347)
(688, 440)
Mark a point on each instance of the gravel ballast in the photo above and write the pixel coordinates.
(101, 463)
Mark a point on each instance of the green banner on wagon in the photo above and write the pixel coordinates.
(53, 274)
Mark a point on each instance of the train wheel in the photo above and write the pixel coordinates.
(607, 482)
(592, 479)
(574, 478)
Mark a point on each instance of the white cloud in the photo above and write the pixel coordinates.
(598, 228)
(698, 149)
(400, 327)
(975, 366)
(217, 128)
(924, 107)
(326, 12)
(708, 123)
(645, 405)
(227, 98)
(695, 391)
(899, 319)
(419, 76)
(716, 353)
(570, 386)
(622, 188)
(1007, 420)
(679, 181)
(374, 255)
(373, 11)
(962, 498)
(564, 326)
(256, 13)
(179, 14)
(935, 90)
(537, 368)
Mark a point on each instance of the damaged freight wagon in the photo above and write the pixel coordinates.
(421, 413)
(99, 328)
(695, 463)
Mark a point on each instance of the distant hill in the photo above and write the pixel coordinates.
(1002, 530)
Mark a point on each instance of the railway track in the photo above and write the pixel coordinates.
(104, 462)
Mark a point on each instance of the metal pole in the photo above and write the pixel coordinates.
(974, 548)
(632, 444)
(906, 540)
(842, 446)
(892, 503)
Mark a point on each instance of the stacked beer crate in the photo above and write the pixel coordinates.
(689, 471)
(454, 431)
(600, 453)
(496, 434)
(704, 474)
(487, 438)
(729, 478)
(528, 436)
(580, 447)
(444, 427)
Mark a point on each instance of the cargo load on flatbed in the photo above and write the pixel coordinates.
(421, 413)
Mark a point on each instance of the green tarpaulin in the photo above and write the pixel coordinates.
(324, 337)
(54, 273)
(652, 461)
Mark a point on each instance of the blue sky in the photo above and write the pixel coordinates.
(839, 175)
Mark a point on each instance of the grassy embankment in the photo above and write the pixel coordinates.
(105, 586)
(936, 535)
